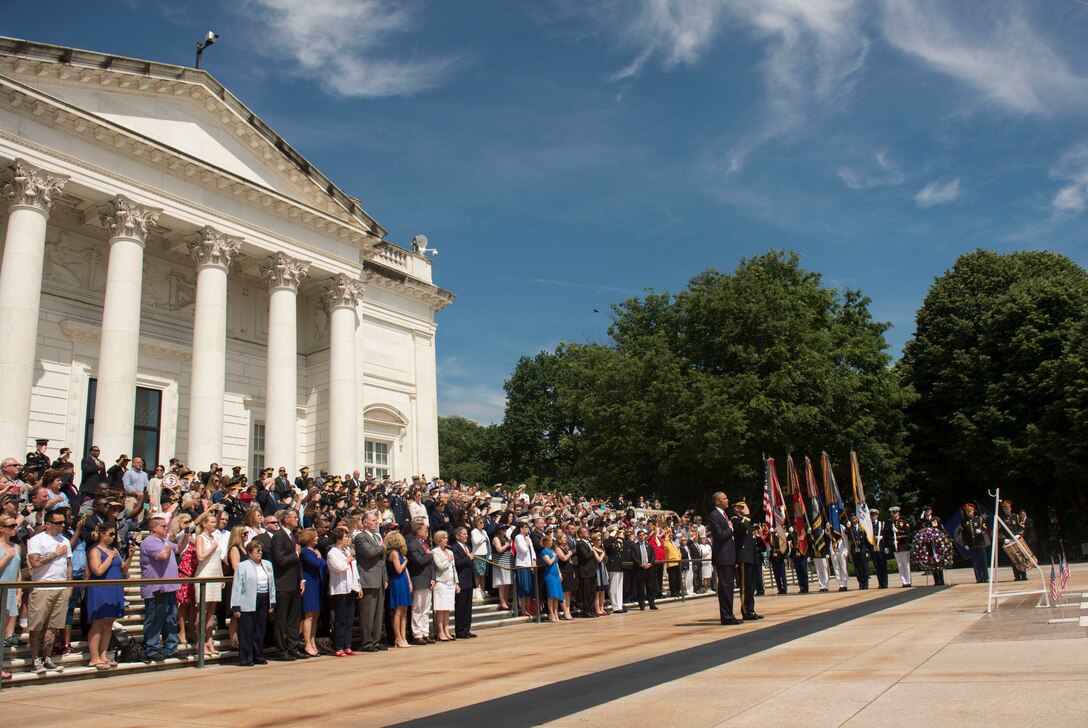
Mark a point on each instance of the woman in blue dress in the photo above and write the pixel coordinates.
(104, 603)
(400, 587)
(10, 562)
(314, 573)
(553, 583)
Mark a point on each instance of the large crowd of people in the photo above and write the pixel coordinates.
(334, 564)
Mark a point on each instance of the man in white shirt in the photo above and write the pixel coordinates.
(50, 557)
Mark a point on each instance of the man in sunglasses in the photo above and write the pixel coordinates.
(50, 556)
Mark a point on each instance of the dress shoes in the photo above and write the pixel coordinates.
(300, 655)
(842, 589)
(653, 607)
(752, 617)
(419, 642)
(730, 622)
(382, 647)
(369, 648)
(286, 657)
(261, 661)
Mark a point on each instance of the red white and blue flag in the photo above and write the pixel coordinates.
(1053, 582)
(1063, 571)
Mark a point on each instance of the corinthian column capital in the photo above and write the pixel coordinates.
(283, 271)
(32, 187)
(124, 218)
(211, 248)
(343, 292)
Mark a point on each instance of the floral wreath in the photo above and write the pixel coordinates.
(932, 549)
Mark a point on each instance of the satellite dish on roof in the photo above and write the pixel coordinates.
(419, 245)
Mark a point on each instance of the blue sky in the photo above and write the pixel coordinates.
(564, 155)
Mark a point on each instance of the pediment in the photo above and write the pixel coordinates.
(183, 110)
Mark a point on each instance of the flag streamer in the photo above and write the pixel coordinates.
(865, 521)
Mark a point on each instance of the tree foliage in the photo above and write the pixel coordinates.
(468, 450)
(1000, 365)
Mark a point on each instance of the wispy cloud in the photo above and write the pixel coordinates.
(881, 172)
(1072, 199)
(343, 45)
(586, 286)
(479, 402)
(1002, 58)
(676, 31)
(938, 192)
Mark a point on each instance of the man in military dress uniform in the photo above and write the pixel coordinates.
(976, 536)
(859, 552)
(928, 520)
(799, 560)
(37, 461)
(746, 544)
(1015, 523)
(899, 535)
(881, 549)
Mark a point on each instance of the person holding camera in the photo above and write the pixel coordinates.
(157, 561)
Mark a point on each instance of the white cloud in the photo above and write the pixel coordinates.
(1072, 199)
(678, 31)
(1004, 59)
(481, 403)
(341, 45)
(883, 172)
(938, 193)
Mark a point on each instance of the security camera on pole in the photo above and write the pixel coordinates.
(209, 39)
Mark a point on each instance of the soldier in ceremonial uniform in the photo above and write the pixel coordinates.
(746, 542)
(799, 561)
(37, 461)
(898, 535)
(778, 563)
(976, 537)
(859, 552)
(1015, 523)
(880, 550)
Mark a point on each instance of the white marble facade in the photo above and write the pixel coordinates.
(158, 235)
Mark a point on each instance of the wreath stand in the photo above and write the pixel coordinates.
(994, 594)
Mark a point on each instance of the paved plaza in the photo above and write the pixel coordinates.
(898, 657)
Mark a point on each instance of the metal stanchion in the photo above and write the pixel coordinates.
(536, 593)
(201, 628)
(3, 624)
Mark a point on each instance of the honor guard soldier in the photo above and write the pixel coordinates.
(37, 461)
(799, 561)
(928, 520)
(746, 545)
(859, 552)
(881, 549)
(899, 538)
(1015, 522)
(976, 536)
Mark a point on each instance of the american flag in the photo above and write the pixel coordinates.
(1053, 583)
(1063, 569)
(768, 507)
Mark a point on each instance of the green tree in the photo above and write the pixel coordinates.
(468, 450)
(999, 364)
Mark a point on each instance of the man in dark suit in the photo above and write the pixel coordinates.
(370, 556)
(587, 573)
(724, 556)
(93, 472)
(289, 586)
(281, 486)
(642, 556)
(745, 542)
(421, 574)
(462, 603)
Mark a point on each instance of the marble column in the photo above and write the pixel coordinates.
(31, 193)
(212, 251)
(128, 224)
(283, 274)
(342, 297)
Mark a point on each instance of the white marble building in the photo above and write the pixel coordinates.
(176, 280)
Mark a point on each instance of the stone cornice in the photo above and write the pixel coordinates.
(385, 278)
(46, 63)
(87, 334)
(343, 292)
(283, 271)
(211, 248)
(32, 187)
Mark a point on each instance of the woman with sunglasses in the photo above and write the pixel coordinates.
(104, 603)
(10, 562)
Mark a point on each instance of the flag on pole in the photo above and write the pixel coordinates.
(768, 507)
(817, 526)
(778, 508)
(1063, 570)
(800, 518)
(835, 508)
(864, 519)
(1053, 583)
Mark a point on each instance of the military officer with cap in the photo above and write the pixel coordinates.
(976, 537)
(745, 544)
(881, 549)
(37, 461)
(928, 520)
(1015, 522)
(899, 537)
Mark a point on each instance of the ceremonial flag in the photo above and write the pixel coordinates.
(800, 518)
(817, 530)
(768, 507)
(864, 519)
(835, 508)
(778, 508)
(1063, 569)
(1053, 583)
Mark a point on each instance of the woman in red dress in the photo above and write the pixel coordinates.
(187, 562)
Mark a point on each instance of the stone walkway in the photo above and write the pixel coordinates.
(915, 664)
